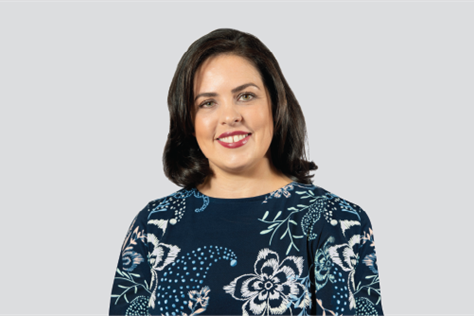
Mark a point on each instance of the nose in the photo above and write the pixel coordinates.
(230, 115)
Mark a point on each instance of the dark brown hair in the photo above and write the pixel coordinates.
(184, 163)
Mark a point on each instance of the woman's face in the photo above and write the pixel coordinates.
(233, 115)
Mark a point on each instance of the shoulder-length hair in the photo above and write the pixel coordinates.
(183, 162)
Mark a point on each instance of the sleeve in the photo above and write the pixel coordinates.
(131, 287)
(345, 267)
(366, 276)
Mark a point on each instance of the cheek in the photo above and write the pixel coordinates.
(270, 133)
(266, 124)
(203, 128)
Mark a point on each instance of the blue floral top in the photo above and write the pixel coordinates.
(299, 250)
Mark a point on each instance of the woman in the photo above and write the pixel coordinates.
(249, 233)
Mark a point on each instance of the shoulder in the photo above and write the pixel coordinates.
(326, 213)
(159, 212)
(170, 207)
(338, 208)
(164, 205)
(340, 221)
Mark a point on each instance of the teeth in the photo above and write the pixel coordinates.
(227, 140)
(233, 139)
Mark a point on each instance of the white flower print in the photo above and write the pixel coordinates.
(160, 256)
(274, 286)
(344, 256)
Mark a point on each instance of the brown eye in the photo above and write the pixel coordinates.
(246, 97)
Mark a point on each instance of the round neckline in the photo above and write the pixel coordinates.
(246, 199)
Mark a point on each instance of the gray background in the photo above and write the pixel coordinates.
(386, 88)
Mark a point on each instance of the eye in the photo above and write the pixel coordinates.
(207, 104)
(246, 96)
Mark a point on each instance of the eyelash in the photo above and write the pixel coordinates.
(202, 105)
(247, 94)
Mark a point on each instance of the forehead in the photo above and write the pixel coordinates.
(225, 71)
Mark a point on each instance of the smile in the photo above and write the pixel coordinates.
(234, 141)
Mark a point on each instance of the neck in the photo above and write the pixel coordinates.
(226, 185)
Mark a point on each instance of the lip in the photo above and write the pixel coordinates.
(240, 143)
(227, 134)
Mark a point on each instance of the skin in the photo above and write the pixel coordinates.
(221, 106)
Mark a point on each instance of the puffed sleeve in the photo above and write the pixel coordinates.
(131, 287)
(345, 267)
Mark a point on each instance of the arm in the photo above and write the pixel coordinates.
(345, 267)
(366, 278)
(131, 287)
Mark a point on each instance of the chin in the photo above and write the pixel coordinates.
(237, 168)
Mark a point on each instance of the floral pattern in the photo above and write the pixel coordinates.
(130, 258)
(299, 250)
(344, 256)
(271, 288)
(198, 301)
(161, 255)
(285, 191)
(323, 265)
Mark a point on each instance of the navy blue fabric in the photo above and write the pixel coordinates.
(299, 250)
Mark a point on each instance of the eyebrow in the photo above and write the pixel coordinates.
(237, 89)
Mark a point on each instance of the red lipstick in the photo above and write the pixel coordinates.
(233, 143)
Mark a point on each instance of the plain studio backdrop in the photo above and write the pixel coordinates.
(387, 92)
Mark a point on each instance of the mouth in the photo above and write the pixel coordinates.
(233, 139)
